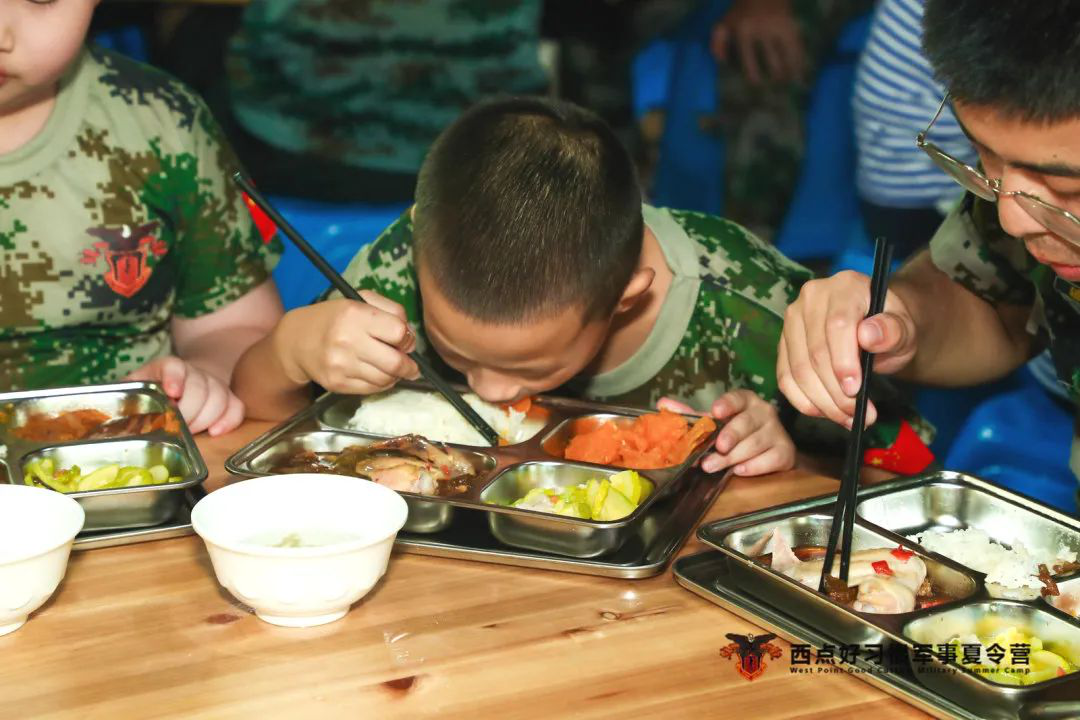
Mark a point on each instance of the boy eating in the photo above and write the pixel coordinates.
(126, 251)
(529, 264)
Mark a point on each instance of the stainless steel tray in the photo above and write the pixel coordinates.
(647, 553)
(112, 509)
(502, 473)
(942, 499)
(707, 575)
(178, 526)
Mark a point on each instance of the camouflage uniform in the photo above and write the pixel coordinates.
(972, 249)
(718, 328)
(117, 217)
(371, 83)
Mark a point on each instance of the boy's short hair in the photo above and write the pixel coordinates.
(1021, 57)
(526, 207)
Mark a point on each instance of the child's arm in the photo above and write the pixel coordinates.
(753, 440)
(207, 349)
(342, 345)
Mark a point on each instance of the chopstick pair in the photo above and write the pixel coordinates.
(350, 292)
(843, 520)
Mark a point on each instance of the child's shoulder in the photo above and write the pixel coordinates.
(387, 261)
(733, 258)
(150, 97)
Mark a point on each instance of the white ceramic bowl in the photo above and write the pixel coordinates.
(37, 528)
(346, 527)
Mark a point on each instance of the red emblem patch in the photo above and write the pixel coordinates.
(126, 251)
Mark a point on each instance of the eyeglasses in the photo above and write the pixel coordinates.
(1060, 222)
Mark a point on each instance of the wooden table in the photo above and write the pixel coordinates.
(145, 631)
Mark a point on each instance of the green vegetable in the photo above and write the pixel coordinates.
(592, 489)
(615, 506)
(631, 485)
(99, 479)
(41, 471)
(44, 472)
(605, 500)
(572, 509)
(534, 495)
(133, 476)
(1041, 664)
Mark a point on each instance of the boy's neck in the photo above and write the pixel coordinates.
(631, 328)
(22, 124)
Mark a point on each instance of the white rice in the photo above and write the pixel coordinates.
(1015, 568)
(401, 412)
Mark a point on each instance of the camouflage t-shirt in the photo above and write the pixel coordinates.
(718, 327)
(371, 84)
(972, 249)
(116, 217)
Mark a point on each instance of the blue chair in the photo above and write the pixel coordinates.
(338, 232)
(650, 76)
(823, 218)
(129, 40)
(1020, 439)
(678, 74)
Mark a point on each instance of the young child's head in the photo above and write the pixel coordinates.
(39, 39)
(528, 234)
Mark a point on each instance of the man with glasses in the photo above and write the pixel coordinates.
(1001, 278)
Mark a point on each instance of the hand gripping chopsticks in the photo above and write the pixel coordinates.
(349, 292)
(844, 515)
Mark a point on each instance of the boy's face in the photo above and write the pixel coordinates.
(1040, 159)
(504, 363)
(39, 39)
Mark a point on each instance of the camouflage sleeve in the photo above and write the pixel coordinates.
(386, 267)
(222, 254)
(972, 249)
(754, 283)
(754, 335)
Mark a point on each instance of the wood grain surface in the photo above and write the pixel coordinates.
(145, 631)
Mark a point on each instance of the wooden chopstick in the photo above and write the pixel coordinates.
(350, 292)
(843, 522)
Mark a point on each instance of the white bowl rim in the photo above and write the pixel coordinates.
(48, 546)
(299, 552)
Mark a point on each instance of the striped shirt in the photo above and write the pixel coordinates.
(895, 96)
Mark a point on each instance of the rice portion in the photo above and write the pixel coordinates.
(400, 412)
(1015, 568)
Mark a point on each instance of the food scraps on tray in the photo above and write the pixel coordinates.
(651, 441)
(409, 463)
(1011, 572)
(880, 580)
(89, 424)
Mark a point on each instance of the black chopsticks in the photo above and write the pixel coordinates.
(843, 520)
(349, 292)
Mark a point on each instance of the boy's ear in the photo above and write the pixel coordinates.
(412, 212)
(639, 284)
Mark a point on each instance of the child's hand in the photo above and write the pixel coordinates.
(346, 346)
(205, 401)
(753, 440)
